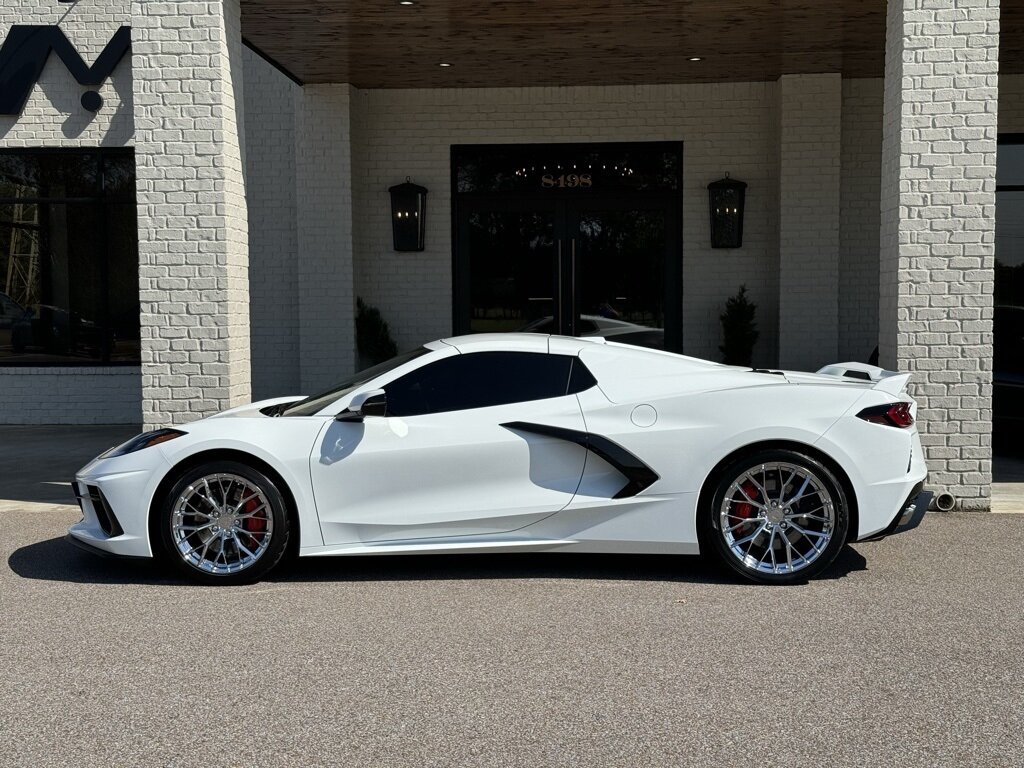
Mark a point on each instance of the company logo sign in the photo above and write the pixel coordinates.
(24, 54)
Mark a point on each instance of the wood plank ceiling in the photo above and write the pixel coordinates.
(384, 44)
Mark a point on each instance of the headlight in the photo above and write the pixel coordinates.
(145, 440)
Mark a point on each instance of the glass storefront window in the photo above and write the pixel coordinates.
(572, 239)
(69, 268)
(1008, 316)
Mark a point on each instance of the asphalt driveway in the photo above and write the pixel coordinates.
(909, 652)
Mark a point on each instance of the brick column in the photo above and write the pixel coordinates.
(810, 127)
(323, 179)
(938, 228)
(193, 241)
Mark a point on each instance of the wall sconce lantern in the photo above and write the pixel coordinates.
(408, 215)
(726, 199)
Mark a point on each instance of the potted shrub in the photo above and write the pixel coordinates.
(739, 331)
(373, 336)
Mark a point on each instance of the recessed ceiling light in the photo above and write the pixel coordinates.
(406, 2)
(695, 58)
(444, 64)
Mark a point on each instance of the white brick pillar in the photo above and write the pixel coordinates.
(938, 228)
(810, 128)
(323, 179)
(193, 241)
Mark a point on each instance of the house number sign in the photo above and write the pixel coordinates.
(567, 181)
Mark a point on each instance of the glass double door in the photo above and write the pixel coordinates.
(576, 267)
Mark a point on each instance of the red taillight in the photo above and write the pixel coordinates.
(892, 415)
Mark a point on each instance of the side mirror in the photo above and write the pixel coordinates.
(371, 403)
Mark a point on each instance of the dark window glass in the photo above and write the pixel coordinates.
(1008, 317)
(511, 268)
(572, 169)
(580, 378)
(316, 403)
(547, 325)
(479, 380)
(69, 266)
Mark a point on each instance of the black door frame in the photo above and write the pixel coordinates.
(566, 206)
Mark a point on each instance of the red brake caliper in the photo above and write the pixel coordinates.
(745, 509)
(253, 524)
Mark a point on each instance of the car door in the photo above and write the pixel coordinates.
(441, 463)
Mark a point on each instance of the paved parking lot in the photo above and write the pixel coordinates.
(909, 652)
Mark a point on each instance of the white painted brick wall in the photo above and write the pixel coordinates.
(193, 233)
(938, 227)
(324, 176)
(810, 115)
(70, 395)
(54, 117)
(273, 249)
(724, 126)
(859, 218)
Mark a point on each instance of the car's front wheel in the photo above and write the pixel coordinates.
(776, 516)
(224, 522)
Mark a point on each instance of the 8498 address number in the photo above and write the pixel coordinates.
(566, 180)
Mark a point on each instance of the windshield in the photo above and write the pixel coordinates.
(316, 403)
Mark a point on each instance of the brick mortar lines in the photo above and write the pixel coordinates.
(810, 111)
(193, 231)
(937, 243)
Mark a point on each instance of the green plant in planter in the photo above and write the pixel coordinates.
(373, 336)
(739, 331)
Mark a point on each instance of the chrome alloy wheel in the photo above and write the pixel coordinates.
(221, 523)
(777, 518)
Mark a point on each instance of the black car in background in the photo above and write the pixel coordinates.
(10, 313)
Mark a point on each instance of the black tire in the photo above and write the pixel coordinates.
(278, 533)
(713, 537)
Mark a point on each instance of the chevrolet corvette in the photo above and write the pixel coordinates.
(524, 442)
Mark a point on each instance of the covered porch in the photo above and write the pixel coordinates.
(866, 134)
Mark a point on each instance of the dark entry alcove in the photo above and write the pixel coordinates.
(575, 239)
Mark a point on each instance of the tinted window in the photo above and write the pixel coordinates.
(316, 403)
(69, 265)
(479, 380)
(580, 378)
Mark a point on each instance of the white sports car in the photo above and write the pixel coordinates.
(524, 442)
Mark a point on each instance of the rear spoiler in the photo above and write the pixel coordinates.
(890, 382)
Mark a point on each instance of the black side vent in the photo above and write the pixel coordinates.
(638, 475)
(108, 522)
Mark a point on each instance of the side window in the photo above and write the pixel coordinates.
(580, 378)
(479, 380)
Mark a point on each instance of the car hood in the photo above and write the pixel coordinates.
(252, 410)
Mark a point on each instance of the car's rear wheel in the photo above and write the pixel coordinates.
(776, 516)
(224, 522)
